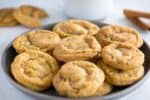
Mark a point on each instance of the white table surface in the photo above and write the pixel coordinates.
(8, 92)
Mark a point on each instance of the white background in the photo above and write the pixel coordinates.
(8, 92)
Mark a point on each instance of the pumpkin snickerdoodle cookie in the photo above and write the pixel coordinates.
(75, 27)
(29, 15)
(122, 56)
(78, 79)
(103, 89)
(33, 11)
(34, 69)
(120, 77)
(43, 40)
(116, 33)
(6, 17)
(26, 20)
(77, 48)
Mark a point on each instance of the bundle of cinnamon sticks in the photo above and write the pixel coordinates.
(135, 16)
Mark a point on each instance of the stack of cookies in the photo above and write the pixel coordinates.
(26, 15)
(121, 60)
(78, 58)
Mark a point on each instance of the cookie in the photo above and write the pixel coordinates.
(75, 27)
(34, 70)
(103, 89)
(116, 33)
(77, 48)
(120, 77)
(122, 56)
(33, 11)
(43, 40)
(25, 19)
(78, 79)
(6, 17)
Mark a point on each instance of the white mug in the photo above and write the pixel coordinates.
(88, 9)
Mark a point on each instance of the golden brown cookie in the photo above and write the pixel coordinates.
(6, 17)
(115, 33)
(26, 19)
(122, 56)
(34, 69)
(33, 11)
(78, 79)
(75, 27)
(103, 89)
(119, 77)
(77, 48)
(43, 40)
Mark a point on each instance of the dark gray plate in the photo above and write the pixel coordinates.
(50, 94)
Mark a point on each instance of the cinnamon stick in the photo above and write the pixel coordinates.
(135, 13)
(139, 23)
(134, 16)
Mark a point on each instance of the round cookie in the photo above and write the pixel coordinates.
(122, 56)
(78, 79)
(119, 77)
(77, 48)
(6, 17)
(33, 11)
(103, 89)
(75, 27)
(116, 33)
(43, 40)
(34, 70)
(25, 19)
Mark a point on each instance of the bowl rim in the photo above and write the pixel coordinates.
(53, 97)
